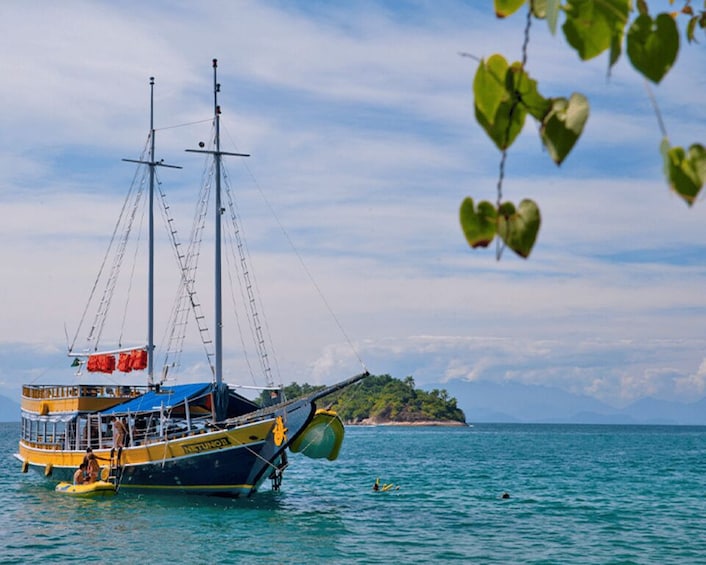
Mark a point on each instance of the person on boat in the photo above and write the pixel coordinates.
(92, 469)
(119, 432)
(80, 474)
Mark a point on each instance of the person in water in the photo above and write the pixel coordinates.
(80, 474)
(383, 488)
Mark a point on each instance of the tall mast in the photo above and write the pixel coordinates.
(150, 276)
(219, 212)
(151, 163)
(217, 156)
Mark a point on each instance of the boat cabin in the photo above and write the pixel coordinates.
(78, 417)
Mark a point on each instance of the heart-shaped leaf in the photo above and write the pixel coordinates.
(653, 45)
(563, 125)
(518, 228)
(496, 102)
(591, 25)
(685, 170)
(478, 225)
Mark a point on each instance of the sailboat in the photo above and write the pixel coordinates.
(197, 437)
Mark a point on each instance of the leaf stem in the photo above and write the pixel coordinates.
(516, 100)
(655, 107)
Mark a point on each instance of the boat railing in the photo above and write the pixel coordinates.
(47, 442)
(144, 433)
(79, 391)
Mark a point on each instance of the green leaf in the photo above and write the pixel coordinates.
(497, 109)
(506, 125)
(504, 8)
(519, 227)
(563, 125)
(685, 170)
(539, 8)
(591, 26)
(489, 90)
(690, 27)
(520, 83)
(478, 225)
(653, 45)
(552, 14)
(615, 49)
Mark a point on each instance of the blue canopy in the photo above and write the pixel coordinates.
(167, 397)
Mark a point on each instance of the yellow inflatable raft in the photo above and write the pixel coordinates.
(99, 488)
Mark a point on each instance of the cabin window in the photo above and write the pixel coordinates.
(29, 430)
(59, 434)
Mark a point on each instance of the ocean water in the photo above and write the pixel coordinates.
(578, 494)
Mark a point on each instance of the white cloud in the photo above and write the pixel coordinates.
(692, 385)
(361, 127)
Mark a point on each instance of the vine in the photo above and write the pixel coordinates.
(504, 94)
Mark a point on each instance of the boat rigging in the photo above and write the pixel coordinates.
(200, 437)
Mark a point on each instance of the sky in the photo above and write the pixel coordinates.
(359, 120)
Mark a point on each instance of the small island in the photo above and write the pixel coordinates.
(382, 400)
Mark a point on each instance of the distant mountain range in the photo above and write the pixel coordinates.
(511, 402)
(518, 403)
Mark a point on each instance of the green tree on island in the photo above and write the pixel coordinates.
(382, 398)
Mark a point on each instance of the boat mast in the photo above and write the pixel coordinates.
(150, 276)
(217, 156)
(150, 267)
(219, 213)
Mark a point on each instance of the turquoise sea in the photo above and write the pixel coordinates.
(578, 494)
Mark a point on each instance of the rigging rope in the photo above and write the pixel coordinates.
(132, 276)
(106, 300)
(186, 299)
(248, 278)
(97, 324)
(246, 356)
(186, 124)
(302, 263)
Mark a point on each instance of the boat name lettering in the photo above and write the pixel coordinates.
(207, 445)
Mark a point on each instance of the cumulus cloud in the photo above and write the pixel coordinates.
(363, 139)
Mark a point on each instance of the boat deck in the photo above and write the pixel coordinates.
(47, 399)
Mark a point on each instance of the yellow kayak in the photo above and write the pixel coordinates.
(99, 488)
